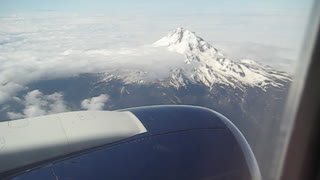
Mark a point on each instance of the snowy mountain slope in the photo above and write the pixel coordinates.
(127, 76)
(210, 66)
(204, 65)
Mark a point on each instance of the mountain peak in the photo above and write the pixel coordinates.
(177, 36)
(182, 30)
(181, 33)
(184, 41)
(209, 66)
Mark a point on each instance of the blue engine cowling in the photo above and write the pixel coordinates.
(181, 142)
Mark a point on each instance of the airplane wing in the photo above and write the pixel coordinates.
(155, 142)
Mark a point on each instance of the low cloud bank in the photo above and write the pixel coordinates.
(95, 103)
(36, 103)
(33, 48)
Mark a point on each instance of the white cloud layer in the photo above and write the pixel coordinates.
(95, 103)
(37, 104)
(56, 46)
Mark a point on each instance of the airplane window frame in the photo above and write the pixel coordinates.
(300, 158)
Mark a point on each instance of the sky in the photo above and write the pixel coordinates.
(238, 27)
(42, 39)
(147, 6)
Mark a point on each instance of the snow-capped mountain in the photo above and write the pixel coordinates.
(206, 65)
(210, 66)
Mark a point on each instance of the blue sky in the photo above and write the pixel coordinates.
(148, 6)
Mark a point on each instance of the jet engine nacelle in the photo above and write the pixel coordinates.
(155, 142)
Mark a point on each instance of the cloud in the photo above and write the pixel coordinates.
(280, 58)
(14, 115)
(35, 103)
(36, 48)
(95, 103)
